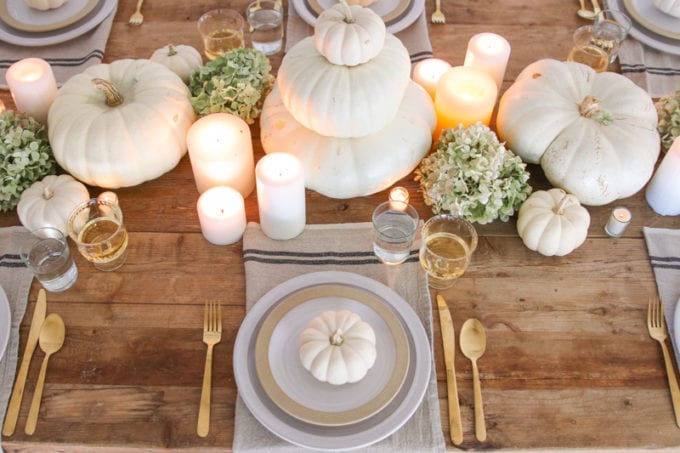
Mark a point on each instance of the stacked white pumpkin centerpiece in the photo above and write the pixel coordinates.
(345, 105)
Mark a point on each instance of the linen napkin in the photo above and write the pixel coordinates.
(68, 58)
(15, 279)
(663, 246)
(343, 247)
(415, 37)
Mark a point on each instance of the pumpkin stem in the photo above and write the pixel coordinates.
(590, 108)
(336, 339)
(171, 50)
(563, 203)
(48, 193)
(113, 97)
(348, 12)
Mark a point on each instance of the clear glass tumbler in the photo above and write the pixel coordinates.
(265, 18)
(394, 227)
(48, 255)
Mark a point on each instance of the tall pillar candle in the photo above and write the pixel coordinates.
(281, 195)
(464, 96)
(428, 72)
(33, 87)
(489, 53)
(222, 215)
(663, 191)
(221, 153)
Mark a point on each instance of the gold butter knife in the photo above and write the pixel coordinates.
(449, 346)
(18, 391)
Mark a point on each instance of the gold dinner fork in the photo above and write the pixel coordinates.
(212, 334)
(437, 16)
(137, 18)
(657, 330)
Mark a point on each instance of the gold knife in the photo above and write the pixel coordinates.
(449, 345)
(31, 343)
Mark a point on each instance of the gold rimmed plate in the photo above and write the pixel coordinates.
(17, 14)
(291, 387)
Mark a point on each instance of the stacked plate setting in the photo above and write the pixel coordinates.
(650, 25)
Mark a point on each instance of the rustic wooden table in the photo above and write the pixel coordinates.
(569, 363)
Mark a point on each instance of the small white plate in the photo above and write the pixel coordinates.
(652, 18)
(17, 14)
(5, 322)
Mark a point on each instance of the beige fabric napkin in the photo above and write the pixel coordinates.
(15, 279)
(345, 247)
(663, 246)
(68, 58)
(415, 37)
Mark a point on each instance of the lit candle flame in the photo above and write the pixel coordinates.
(399, 198)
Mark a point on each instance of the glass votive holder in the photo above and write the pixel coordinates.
(618, 222)
(47, 254)
(394, 227)
(221, 30)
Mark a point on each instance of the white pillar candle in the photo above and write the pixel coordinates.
(618, 222)
(33, 87)
(222, 215)
(489, 53)
(221, 153)
(428, 72)
(464, 96)
(281, 195)
(663, 191)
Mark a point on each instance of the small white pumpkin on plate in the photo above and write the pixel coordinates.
(671, 7)
(183, 60)
(338, 347)
(44, 5)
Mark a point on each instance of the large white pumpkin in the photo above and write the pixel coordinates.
(126, 144)
(353, 167)
(343, 101)
(593, 134)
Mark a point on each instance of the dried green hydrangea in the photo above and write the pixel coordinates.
(668, 109)
(235, 82)
(26, 156)
(472, 175)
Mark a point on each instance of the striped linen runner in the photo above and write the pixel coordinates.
(340, 247)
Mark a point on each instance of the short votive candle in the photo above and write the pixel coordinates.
(2, 106)
(399, 197)
(281, 195)
(109, 196)
(489, 53)
(618, 222)
(428, 72)
(663, 191)
(33, 87)
(222, 215)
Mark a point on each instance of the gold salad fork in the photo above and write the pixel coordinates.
(137, 18)
(437, 16)
(212, 334)
(657, 330)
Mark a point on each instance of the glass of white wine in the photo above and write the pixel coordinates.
(96, 226)
(589, 49)
(447, 246)
(221, 30)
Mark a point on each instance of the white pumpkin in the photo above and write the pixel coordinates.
(44, 5)
(349, 35)
(183, 60)
(338, 347)
(671, 7)
(593, 134)
(342, 101)
(120, 124)
(49, 202)
(552, 222)
(353, 167)
(361, 2)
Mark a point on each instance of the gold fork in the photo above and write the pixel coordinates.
(657, 330)
(137, 18)
(437, 16)
(212, 334)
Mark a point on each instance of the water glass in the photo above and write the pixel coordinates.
(611, 28)
(265, 18)
(394, 226)
(96, 226)
(588, 50)
(47, 254)
(447, 246)
(221, 30)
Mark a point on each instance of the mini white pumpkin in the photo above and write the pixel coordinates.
(338, 347)
(44, 5)
(349, 35)
(553, 222)
(49, 202)
(671, 7)
(183, 60)
(361, 2)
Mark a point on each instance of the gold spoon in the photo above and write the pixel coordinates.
(52, 335)
(585, 13)
(473, 344)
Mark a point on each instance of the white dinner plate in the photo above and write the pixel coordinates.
(652, 18)
(5, 322)
(296, 391)
(397, 14)
(17, 14)
(87, 23)
(352, 436)
(646, 36)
